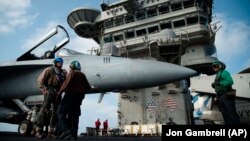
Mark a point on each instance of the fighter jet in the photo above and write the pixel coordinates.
(106, 73)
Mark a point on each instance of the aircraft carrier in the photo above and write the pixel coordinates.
(174, 31)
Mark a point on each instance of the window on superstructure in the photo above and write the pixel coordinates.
(140, 15)
(108, 39)
(141, 32)
(203, 21)
(200, 2)
(152, 12)
(108, 23)
(189, 3)
(192, 20)
(203, 5)
(119, 21)
(163, 9)
(129, 18)
(179, 23)
(118, 37)
(153, 29)
(166, 25)
(205, 9)
(176, 6)
(129, 34)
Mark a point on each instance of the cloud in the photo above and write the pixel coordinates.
(232, 42)
(232, 39)
(13, 14)
(82, 44)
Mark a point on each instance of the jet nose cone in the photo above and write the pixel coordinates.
(155, 73)
(183, 72)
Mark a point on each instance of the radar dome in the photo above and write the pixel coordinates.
(166, 34)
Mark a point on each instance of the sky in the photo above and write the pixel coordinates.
(24, 22)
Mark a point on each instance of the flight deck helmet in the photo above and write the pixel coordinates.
(75, 65)
(219, 64)
(58, 60)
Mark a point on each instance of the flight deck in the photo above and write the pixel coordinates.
(14, 136)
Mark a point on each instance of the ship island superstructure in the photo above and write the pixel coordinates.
(175, 31)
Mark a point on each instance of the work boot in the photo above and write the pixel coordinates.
(39, 135)
(51, 133)
(33, 133)
(49, 136)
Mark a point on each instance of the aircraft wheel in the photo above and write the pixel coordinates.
(25, 127)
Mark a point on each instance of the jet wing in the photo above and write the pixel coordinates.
(19, 80)
(7, 71)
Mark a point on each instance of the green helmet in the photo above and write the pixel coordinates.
(75, 65)
(216, 62)
(219, 64)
